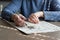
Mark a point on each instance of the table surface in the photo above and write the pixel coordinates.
(7, 32)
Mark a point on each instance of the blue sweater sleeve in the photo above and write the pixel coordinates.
(10, 9)
(54, 14)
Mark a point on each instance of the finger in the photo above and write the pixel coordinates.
(33, 16)
(38, 21)
(34, 19)
(18, 19)
(22, 17)
(30, 20)
(19, 22)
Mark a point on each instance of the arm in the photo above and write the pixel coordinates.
(10, 9)
(54, 13)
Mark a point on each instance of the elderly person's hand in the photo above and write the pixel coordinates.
(34, 17)
(19, 20)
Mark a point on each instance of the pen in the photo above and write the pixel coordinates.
(30, 27)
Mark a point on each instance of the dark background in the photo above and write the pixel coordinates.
(5, 0)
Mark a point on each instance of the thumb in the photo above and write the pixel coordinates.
(21, 16)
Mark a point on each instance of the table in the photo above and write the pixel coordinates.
(7, 32)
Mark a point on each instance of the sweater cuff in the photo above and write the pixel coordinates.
(52, 16)
(6, 15)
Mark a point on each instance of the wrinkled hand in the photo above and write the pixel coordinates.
(34, 17)
(19, 20)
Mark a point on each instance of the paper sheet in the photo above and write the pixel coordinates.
(41, 27)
